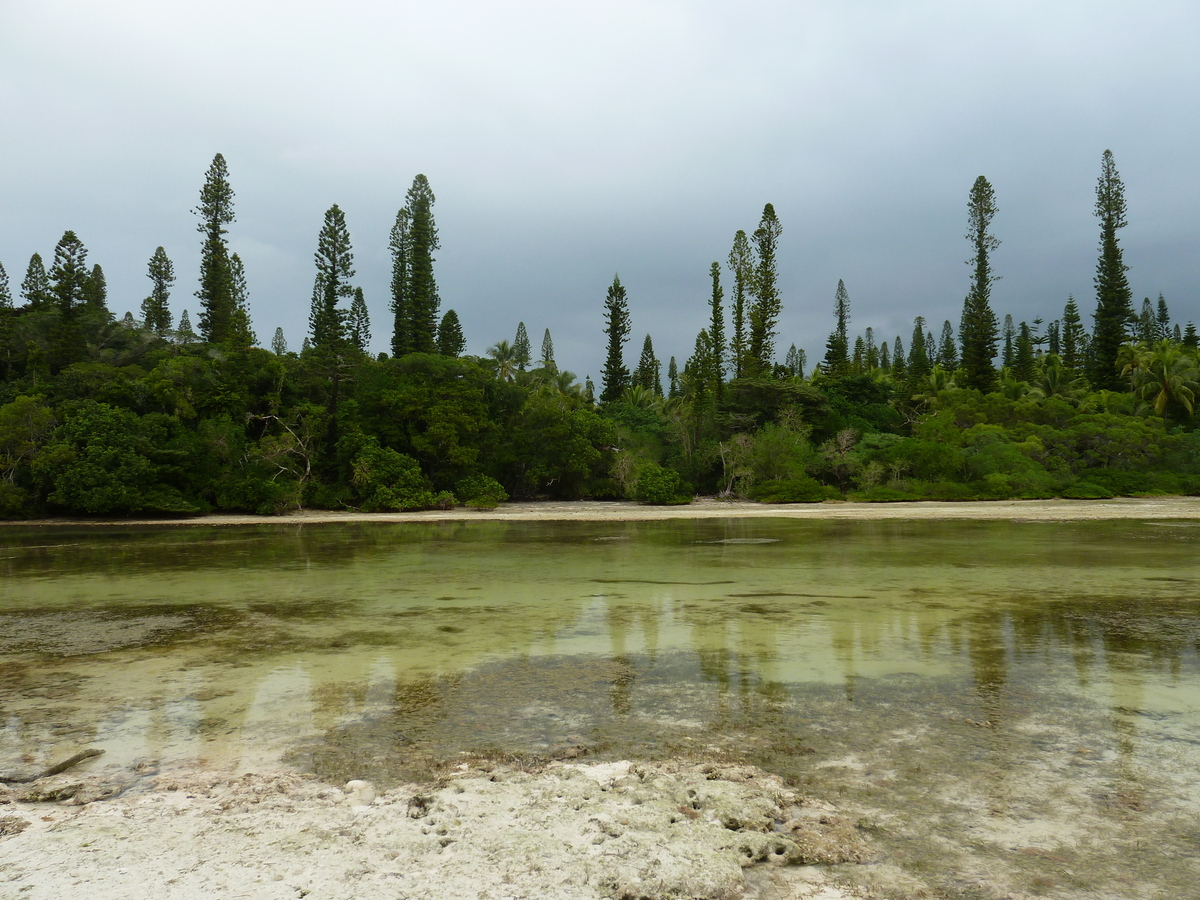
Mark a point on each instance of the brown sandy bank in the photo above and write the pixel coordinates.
(707, 508)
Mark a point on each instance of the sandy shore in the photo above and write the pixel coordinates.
(707, 508)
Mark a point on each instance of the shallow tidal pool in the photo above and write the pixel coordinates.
(1008, 709)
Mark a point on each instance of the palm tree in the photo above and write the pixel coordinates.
(1164, 375)
(506, 360)
(1057, 381)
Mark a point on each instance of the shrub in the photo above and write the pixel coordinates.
(481, 492)
(798, 489)
(1085, 490)
(661, 487)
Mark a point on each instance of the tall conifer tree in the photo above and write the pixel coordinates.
(977, 330)
(335, 267)
(716, 323)
(6, 301)
(95, 291)
(615, 377)
(837, 348)
(1114, 300)
(450, 340)
(279, 343)
(919, 365)
(401, 271)
(68, 275)
(548, 362)
(241, 333)
(741, 265)
(35, 288)
(947, 353)
(360, 321)
(215, 211)
(767, 305)
(1072, 337)
(156, 311)
(522, 351)
(423, 300)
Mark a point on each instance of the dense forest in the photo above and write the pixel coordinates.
(102, 415)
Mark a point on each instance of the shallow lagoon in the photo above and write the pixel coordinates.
(1006, 706)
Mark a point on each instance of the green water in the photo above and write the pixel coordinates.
(1018, 702)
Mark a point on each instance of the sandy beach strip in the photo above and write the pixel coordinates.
(1143, 508)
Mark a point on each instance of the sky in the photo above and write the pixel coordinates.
(568, 142)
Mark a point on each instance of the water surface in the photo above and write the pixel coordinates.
(1016, 701)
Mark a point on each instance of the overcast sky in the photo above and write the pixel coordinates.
(567, 142)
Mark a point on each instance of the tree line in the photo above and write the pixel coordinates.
(105, 416)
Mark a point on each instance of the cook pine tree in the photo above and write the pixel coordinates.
(978, 329)
(156, 310)
(215, 211)
(1114, 300)
(615, 376)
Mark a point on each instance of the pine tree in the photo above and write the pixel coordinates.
(716, 324)
(589, 390)
(947, 353)
(1190, 339)
(648, 371)
(1176, 335)
(184, 333)
(128, 321)
(1163, 317)
(1072, 337)
(697, 371)
(155, 309)
(279, 343)
(360, 321)
(1009, 335)
(919, 365)
(401, 253)
(885, 358)
(741, 264)
(216, 278)
(899, 364)
(1023, 362)
(1147, 324)
(335, 267)
(673, 378)
(450, 340)
(95, 290)
(35, 288)
(872, 356)
(68, 275)
(6, 301)
(423, 300)
(977, 330)
(615, 376)
(548, 353)
(795, 362)
(241, 334)
(859, 361)
(837, 359)
(1114, 308)
(522, 351)
(1054, 338)
(767, 305)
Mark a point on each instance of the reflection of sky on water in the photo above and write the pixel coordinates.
(229, 645)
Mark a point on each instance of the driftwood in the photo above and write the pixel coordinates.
(53, 770)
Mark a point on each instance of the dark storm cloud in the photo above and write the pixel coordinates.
(566, 142)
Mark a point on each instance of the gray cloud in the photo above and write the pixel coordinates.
(567, 142)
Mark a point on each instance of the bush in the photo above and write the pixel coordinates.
(1085, 490)
(798, 489)
(882, 495)
(661, 487)
(481, 492)
(388, 480)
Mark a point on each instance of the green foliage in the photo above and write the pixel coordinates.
(768, 304)
(389, 481)
(660, 487)
(216, 293)
(1114, 300)
(978, 328)
(480, 491)
(616, 317)
(797, 489)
